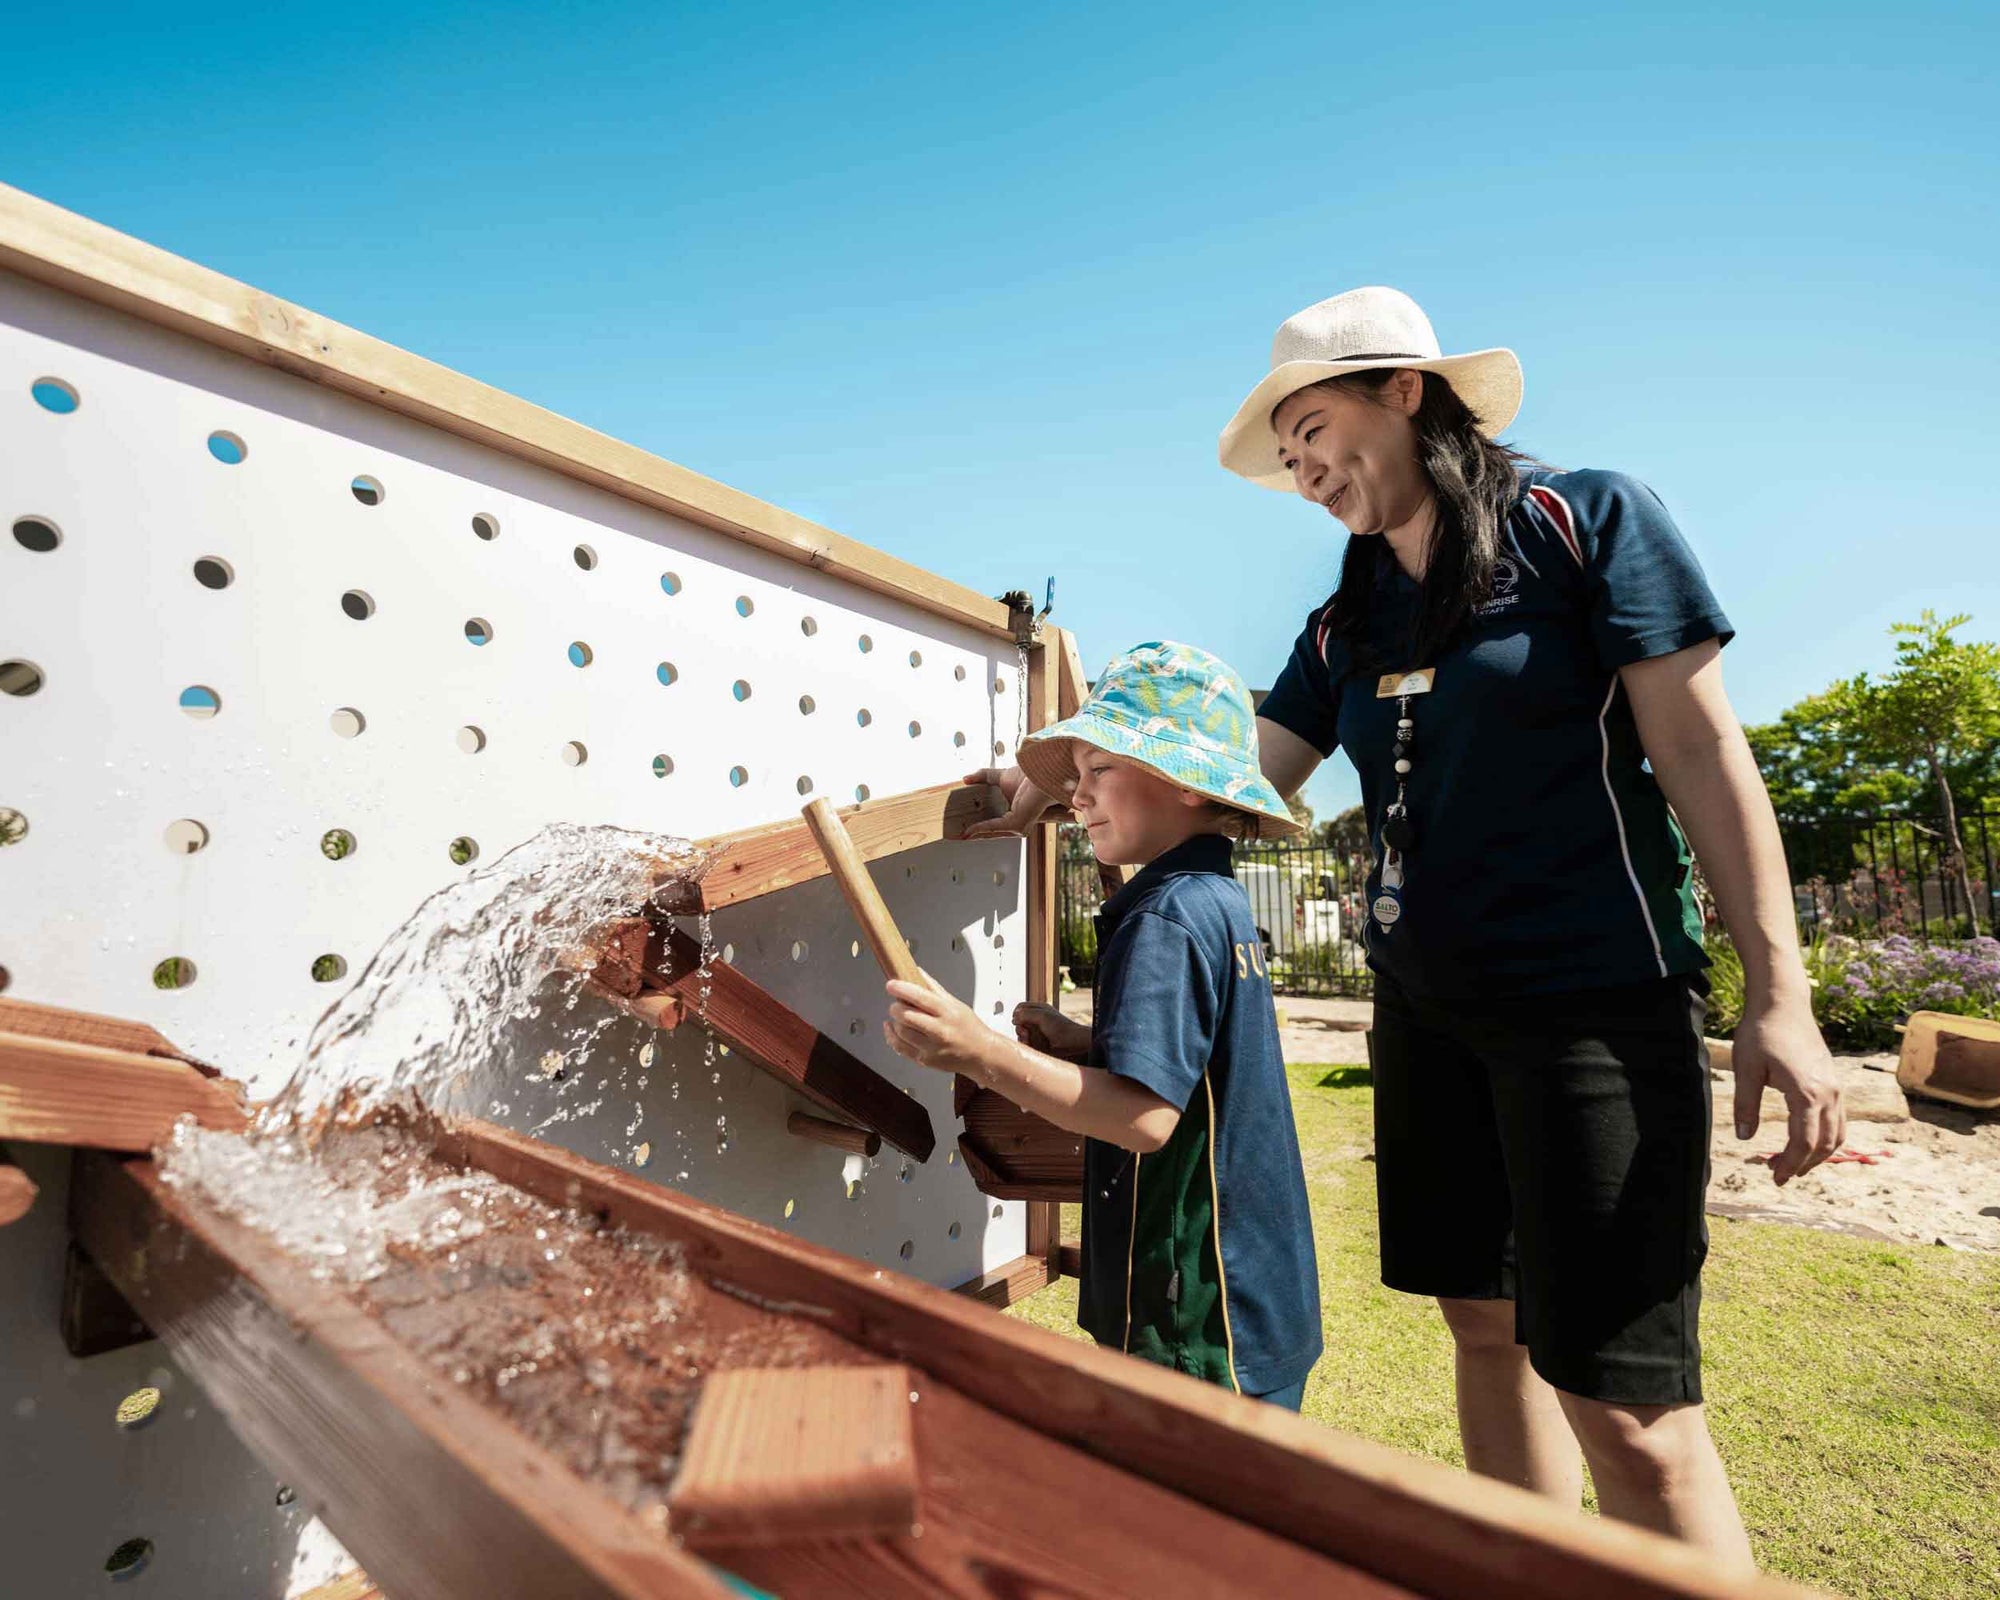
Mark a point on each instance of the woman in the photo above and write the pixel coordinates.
(1524, 666)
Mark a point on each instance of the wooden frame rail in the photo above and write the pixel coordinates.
(84, 258)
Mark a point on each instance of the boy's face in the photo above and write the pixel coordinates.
(1133, 814)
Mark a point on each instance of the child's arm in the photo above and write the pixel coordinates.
(934, 1030)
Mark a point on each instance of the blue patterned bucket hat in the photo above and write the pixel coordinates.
(1183, 714)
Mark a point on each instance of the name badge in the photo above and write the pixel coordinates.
(1394, 685)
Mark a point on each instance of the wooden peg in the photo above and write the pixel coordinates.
(17, 1190)
(840, 1135)
(885, 939)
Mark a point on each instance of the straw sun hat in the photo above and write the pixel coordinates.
(1362, 330)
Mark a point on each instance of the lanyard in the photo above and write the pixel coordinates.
(1398, 836)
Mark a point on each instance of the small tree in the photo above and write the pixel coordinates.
(1940, 706)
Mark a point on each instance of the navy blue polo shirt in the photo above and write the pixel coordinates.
(1545, 856)
(1198, 1256)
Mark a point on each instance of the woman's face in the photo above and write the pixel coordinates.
(1356, 454)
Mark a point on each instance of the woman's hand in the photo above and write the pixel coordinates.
(1046, 1029)
(1779, 1045)
(1026, 805)
(934, 1030)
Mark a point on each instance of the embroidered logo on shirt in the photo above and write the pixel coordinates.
(1506, 579)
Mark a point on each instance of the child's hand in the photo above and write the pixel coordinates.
(934, 1030)
(1044, 1028)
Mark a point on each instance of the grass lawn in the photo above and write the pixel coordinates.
(1853, 1388)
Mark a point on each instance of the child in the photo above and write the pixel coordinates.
(1197, 1241)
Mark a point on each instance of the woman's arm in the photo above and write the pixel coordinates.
(1705, 769)
(934, 1030)
(1287, 759)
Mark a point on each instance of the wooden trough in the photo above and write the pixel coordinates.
(1038, 1465)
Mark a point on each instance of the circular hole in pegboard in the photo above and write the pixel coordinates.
(137, 1408)
(999, 747)
(129, 1559)
(642, 1153)
(865, 644)
(329, 968)
(863, 717)
(854, 1188)
(800, 950)
(808, 626)
(584, 557)
(958, 941)
(663, 766)
(916, 729)
(478, 630)
(953, 1231)
(574, 754)
(999, 878)
(176, 972)
(861, 791)
(999, 685)
(958, 874)
(286, 1494)
(486, 526)
(37, 534)
(337, 844)
(791, 1206)
(580, 654)
(997, 1210)
(999, 941)
(670, 582)
(805, 784)
(212, 572)
(745, 606)
(367, 490)
(916, 658)
(807, 705)
(227, 447)
(854, 947)
(200, 702)
(13, 826)
(185, 836)
(958, 673)
(738, 776)
(358, 604)
(470, 739)
(347, 723)
(958, 741)
(740, 689)
(907, 1249)
(728, 954)
(20, 678)
(464, 850)
(667, 673)
(52, 394)
(6, 978)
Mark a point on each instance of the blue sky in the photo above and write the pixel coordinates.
(980, 286)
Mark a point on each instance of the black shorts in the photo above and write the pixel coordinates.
(1552, 1150)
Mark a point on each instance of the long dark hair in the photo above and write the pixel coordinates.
(1473, 483)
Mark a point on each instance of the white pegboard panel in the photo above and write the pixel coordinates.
(333, 605)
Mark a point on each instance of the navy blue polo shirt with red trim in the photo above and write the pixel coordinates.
(1545, 856)
(1199, 1255)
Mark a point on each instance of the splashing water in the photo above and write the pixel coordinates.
(438, 1000)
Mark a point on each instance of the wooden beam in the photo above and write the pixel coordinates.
(1440, 1532)
(1026, 1157)
(311, 1384)
(1005, 1285)
(1071, 1255)
(84, 258)
(773, 1037)
(56, 1092)
(776, 1455)
(757, 861)
(85, 1027)
(1044, 705)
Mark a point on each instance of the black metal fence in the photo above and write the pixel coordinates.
(1867, 876)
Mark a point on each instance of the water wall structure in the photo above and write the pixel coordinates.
(296, 629)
